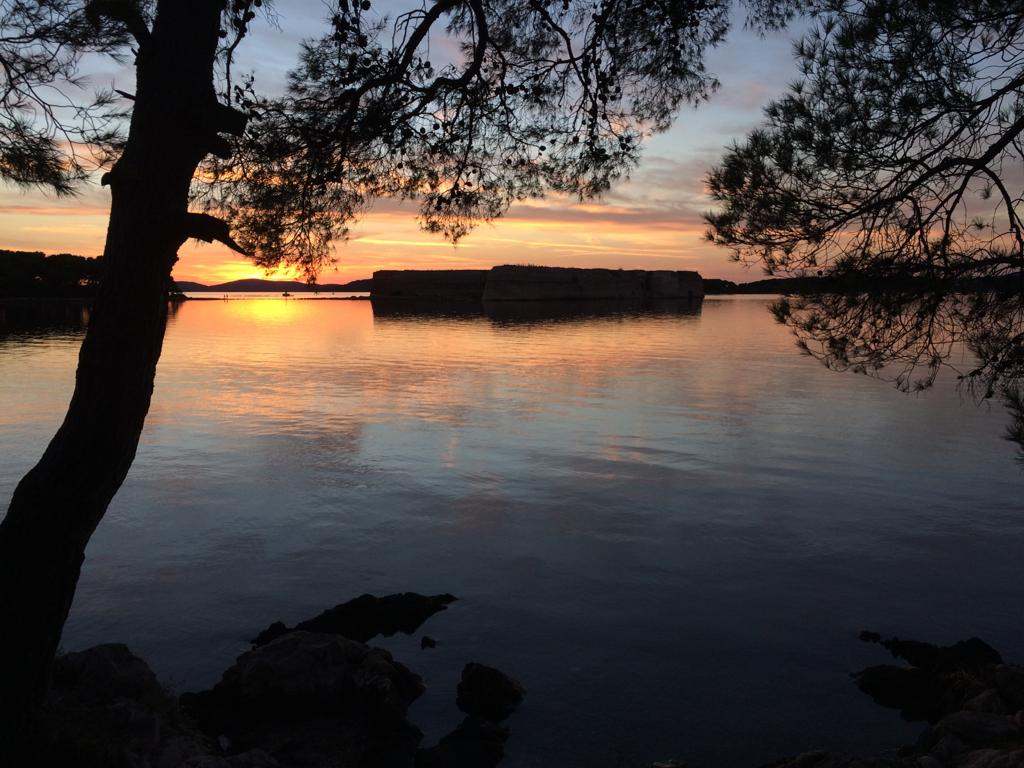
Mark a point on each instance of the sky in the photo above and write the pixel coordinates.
(651, 221)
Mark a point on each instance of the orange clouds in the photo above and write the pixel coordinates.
(652, 222)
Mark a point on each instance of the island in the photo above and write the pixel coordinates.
(532, 283)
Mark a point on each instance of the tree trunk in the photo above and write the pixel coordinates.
(58, 504)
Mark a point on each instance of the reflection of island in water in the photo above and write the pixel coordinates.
(532, 311)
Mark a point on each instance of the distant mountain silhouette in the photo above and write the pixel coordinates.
(272, 286)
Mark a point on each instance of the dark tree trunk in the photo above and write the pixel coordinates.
(58, 504)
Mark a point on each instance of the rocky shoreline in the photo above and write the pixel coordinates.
(318, 696)
(972, 701)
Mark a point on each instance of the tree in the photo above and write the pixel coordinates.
(894, 164)
(905, 129)
(546, 95)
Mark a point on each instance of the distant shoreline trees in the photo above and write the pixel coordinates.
(33, 274)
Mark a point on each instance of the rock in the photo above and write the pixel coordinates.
(976, 727)
(272, 632)
(928, 762)
(946, 747)
(255, 758)
(830, 760)
(474, 744)
(970, 654)
(669, 764)
(104, 674)
(994, 758)
(988, 701)
(107, 710)
(1010, 684)
(311, 700)
(302, 676)
(367, 616)
(428, 642)
(488, 693)
(915, 692)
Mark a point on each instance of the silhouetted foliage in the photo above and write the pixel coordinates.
(910, 333)
(895, 163)
(548, 96)
(30, 273)
(898, 151)
(536, 96)
(51, 128)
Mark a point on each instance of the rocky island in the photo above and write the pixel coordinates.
(530, 283)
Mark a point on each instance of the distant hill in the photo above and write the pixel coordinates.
(28, 274)
(273, 286)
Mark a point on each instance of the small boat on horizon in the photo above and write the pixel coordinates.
(286, 295)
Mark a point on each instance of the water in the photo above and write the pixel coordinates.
(670, 527)
(250, 295)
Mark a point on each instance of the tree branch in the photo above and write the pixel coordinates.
(125, 11)
(208, 228)
(229, 120)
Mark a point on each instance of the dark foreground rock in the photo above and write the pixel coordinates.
(487, 696)
(366, 617)
(303, 700)
(488, 693)
(475, 743)
(315, 700)
(307, 695)
(973, 702)
(107, 710)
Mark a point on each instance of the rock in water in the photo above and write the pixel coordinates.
(272, 632)
(305, 675)
(915, 692)
(830, 760)
(940, 680)
(1010, 682)
(488, 693)
(474, 744)
(971, 654)
(367, 616)
(312, 700)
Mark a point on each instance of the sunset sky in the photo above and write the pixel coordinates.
(652, 221)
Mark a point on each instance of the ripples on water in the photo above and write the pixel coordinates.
(669, 526)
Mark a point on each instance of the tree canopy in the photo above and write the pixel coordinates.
(895, 164)
(897, 153)
(52, 128)
(464, 105)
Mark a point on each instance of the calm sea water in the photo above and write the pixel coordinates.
(670, 527)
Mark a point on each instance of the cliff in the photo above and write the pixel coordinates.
(437, 285)
(520, 283)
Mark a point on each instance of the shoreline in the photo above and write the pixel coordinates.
(318, 694)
